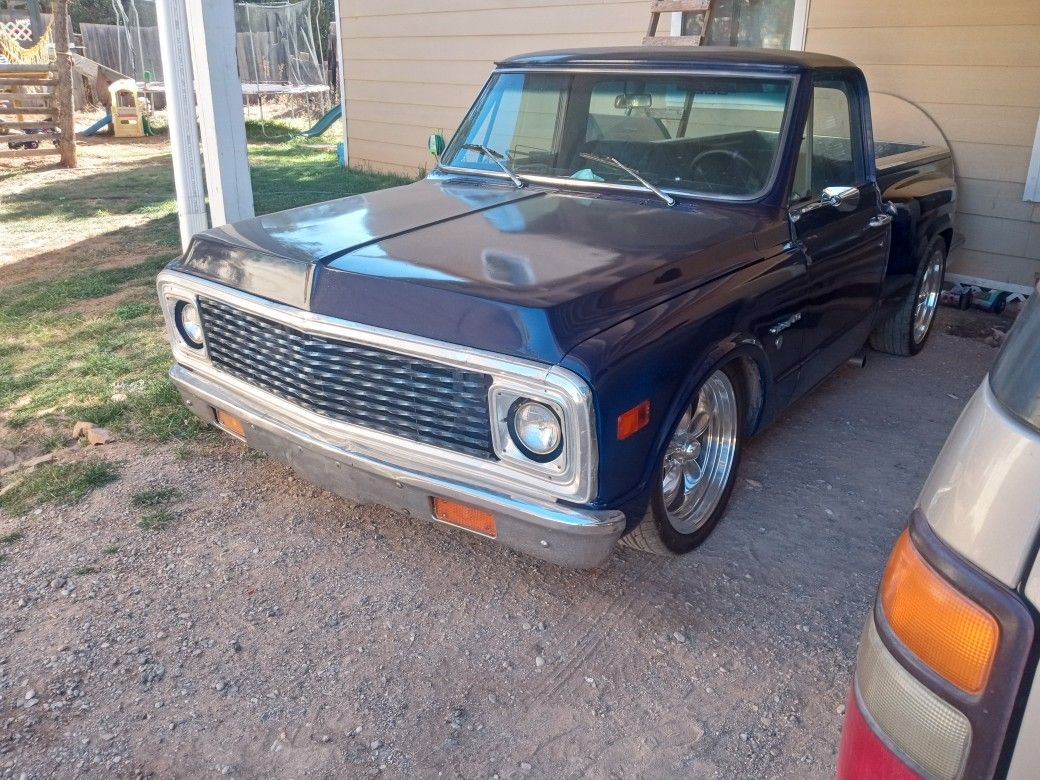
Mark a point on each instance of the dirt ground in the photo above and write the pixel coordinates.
(277, 630)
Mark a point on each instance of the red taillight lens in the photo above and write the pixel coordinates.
(863, 756)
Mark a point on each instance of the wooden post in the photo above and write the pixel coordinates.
(35, 20)
(63, 91)
(211, 31)
(180, 114)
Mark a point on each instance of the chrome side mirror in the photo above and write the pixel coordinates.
(843, 199)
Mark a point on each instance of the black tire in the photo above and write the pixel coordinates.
(895, 335)
(655, 534)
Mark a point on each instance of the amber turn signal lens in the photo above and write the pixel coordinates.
(468, 517)
(634, 420)
(948, 631)
(230, 423)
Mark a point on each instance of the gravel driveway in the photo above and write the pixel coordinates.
(277, 630)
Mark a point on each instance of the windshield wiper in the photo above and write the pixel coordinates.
(631, 172)
(499, 158)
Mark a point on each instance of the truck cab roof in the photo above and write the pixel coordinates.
(680, 57)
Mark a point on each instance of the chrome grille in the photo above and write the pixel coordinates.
(374, 388)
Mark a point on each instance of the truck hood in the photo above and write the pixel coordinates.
(525, 272)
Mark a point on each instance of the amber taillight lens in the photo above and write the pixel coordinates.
(949, 632)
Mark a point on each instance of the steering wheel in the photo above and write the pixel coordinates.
(730, 164)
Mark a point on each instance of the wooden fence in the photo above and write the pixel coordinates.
(108, 44)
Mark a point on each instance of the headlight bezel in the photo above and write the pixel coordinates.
(518, 439)
(179, 309)
(564, 466)
(172, 297)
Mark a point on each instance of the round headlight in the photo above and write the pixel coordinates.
(535, 430)
(189, 323)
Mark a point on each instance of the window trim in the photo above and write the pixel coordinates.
(768, 189)
(859, 152)
(1032, 188)
(799, 25)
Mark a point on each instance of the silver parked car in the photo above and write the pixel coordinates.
(945, 683)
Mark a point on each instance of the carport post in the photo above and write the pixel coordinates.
(179, 85)
(214, 54)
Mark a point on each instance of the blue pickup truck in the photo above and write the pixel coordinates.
(625, 263)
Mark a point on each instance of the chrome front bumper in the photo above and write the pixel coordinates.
(563, 535)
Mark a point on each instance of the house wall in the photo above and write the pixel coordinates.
(411, 71)
(975, 69)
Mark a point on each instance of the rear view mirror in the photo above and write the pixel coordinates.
(435, 143)
(633, 101)
(842, 199)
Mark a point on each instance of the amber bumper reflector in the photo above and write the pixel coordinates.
(949, 632)
(230, 423)
(633, 421)
(468, 517)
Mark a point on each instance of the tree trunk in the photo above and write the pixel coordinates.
(63, 92)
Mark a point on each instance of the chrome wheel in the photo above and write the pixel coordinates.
(700, 456)
(928, 296)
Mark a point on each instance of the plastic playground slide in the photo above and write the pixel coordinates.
(320, 126)
(102, 122)
(325, 122)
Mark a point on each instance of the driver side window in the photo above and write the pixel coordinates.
(830, 154)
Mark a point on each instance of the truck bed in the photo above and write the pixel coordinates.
(891, 157)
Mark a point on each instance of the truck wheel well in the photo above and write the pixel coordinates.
(947, 236)
(754, 391)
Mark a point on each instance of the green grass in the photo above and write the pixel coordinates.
(155, 497)
(131, 311)
(11, 538)
(49, 295)
(59, 483)
(64, 351)
(60, 367)
(159, 520)
(53, 441)
(81, 570)
(158, 500)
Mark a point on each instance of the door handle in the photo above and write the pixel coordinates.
(880, 220)
(783, 325)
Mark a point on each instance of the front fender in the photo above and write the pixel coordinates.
(661, 355)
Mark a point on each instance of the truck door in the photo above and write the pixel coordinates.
(838, 224)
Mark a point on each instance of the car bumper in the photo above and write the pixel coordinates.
(563, 535)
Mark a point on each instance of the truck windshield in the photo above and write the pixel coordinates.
(699, 134)
(1015, 377)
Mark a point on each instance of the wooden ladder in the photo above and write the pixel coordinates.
(28, 91)
(658, 7)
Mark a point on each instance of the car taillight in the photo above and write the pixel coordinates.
(930, 731)
(948, 631)
(863, 756)
(939, 668)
